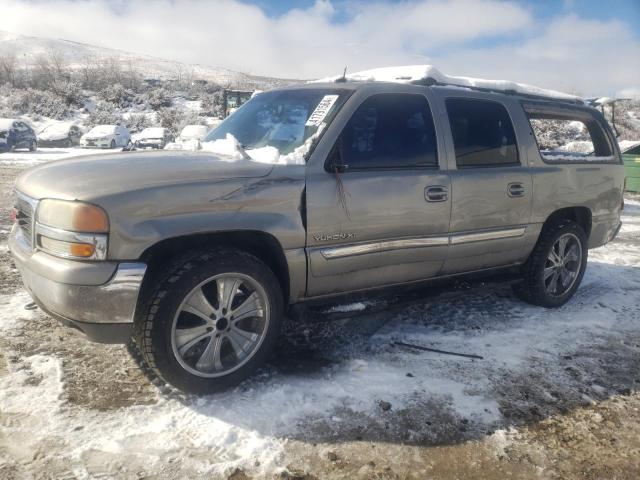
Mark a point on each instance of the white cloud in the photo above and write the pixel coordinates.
(568, 53)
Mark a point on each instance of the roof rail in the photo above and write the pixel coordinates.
(432, 82)
(429, 75)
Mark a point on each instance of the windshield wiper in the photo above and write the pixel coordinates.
(242, 150)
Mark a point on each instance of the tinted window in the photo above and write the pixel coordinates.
(390, 131)
(482, 132)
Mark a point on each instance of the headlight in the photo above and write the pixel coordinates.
(72, 229)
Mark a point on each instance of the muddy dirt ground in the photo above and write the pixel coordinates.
(555, 396)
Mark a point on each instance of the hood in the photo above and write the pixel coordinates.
(94, 176)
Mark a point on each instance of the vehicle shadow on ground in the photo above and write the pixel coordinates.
(600, 362)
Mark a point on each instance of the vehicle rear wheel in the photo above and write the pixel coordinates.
(555, 268)
(211, 321)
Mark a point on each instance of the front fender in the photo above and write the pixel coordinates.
(270, 204)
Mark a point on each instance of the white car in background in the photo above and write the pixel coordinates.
(190, 138)
(106, 136)
(59, 134)
(152, 137)
(193, 132)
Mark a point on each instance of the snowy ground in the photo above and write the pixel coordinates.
(23, 159)
(555, 395)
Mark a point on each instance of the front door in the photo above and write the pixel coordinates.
(491, 188)
(379, 207)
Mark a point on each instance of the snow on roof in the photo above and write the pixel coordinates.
(194, 131)
(6, 123)
(55, 131)
(102, 130)
(152, 132)
(417, 73)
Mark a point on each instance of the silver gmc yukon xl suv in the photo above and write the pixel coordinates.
(310, 192)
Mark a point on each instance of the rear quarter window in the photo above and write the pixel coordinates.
(565, 135)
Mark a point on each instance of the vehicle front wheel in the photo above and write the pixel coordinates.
(555, 268)
(33, 146)
(211, 321)
(112, 145)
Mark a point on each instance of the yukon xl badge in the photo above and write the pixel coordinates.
(327, 237)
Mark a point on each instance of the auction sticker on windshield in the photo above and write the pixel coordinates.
(321, 110)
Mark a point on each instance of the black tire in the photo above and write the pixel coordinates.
(33, 146)
(533, 288)
(112, 145)
(153, 329)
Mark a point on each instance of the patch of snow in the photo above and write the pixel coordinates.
(628, 144)
(414, 73)
(579, 146)
(6, 123)
(351, 307)
(570, 156)
(232, 151)
(43, 155)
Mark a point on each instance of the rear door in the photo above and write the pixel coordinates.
(491, 186)
(382, 216)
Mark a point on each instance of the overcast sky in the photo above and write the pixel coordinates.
(584, 46)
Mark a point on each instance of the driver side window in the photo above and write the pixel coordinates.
(390, 131)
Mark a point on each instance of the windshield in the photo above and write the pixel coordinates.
(274, 124)
(102, 130)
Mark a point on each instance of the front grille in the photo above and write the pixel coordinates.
(24, 217)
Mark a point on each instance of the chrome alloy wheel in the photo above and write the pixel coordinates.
(220, 325)
(563, 265)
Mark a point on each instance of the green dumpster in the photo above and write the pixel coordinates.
(632, 172)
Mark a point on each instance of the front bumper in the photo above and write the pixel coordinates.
(95, 144)
(98, 298)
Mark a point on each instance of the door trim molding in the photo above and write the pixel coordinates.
(353, 250)
(459, 238)
(384, 246)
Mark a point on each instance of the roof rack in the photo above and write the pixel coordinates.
(428, 75)
(432, 82)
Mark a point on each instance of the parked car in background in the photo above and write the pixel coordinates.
(106, 136)
(153, 137)
(193, 132)
(190, 138)
(64, 134)
(15, 134)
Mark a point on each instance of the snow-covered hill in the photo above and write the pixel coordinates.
(27, 50)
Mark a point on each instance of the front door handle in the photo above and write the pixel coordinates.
(515, 189)
(436, 193)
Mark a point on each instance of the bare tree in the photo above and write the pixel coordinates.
(8, 67)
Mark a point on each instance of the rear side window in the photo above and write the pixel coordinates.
(483, 134)
(390, 131)
(568, 134)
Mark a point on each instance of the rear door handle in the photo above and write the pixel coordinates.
(436, 193)
(515, 189)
